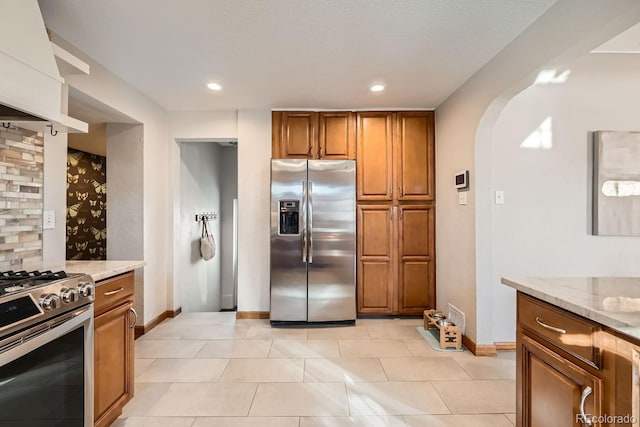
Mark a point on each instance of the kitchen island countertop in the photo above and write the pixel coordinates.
(98, 270)
(611, 301)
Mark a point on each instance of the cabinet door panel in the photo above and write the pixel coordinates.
(415, 286)
(374, 158)
(376, 224)
(416, 272)
(415, 155)
(376, 293)
(417, 229)
(337, 136)
(113, 360)
(375, 259)
(552, 388)
(299, 137)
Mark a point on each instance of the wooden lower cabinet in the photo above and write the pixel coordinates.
(376, 259)
(553, 387)
(395, 259)
(416, 257)
(113, 348)
(561, 357)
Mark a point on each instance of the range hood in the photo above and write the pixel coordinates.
(32, 91)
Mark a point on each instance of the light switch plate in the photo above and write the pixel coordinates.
(48, 220)
(499, 197)
(462, 198)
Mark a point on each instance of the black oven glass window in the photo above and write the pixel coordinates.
(46, 386)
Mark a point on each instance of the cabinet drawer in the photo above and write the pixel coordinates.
(571, 333)
(112, 291)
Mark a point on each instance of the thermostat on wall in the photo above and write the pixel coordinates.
(461, 179)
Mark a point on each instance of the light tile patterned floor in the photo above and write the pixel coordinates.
(211, 370)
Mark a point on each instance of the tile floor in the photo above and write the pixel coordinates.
(209, 369)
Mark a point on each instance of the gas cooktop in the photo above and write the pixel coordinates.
(29, 298)
(16, 281)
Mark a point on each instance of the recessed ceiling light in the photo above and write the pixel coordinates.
(378, 87)
(214, 86)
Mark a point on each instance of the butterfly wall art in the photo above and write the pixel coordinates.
(86, 206)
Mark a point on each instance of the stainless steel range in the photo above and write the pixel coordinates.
(46, 349)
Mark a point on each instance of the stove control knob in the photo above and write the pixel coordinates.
(50, 301)
(85, 289)
(69, 295)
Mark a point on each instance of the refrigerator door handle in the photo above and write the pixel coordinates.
(303, 221)
(310, 201)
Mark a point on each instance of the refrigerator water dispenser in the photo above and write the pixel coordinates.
(289, 217)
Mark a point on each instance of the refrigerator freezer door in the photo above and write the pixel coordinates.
(332, 240)
(288, 235)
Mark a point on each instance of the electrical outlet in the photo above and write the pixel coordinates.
(48, 220)
(499, 197)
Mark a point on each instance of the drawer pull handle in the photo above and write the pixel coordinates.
(135, 317)
(108, 294)
(585, 393)
(551, 328)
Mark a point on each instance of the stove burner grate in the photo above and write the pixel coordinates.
(14, 281)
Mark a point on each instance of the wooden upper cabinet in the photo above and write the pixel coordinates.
(414, 156)
(416, 246)
(294, 135)
(337, 136)
(374, 158)
(313, 135)
(396, 156)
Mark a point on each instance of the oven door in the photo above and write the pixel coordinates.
(46, 373)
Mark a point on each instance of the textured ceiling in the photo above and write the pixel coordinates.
(292, 53)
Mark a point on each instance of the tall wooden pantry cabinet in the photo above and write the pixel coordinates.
(396, 200)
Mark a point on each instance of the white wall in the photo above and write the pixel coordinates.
(110, 90)
(464, 125)
(125, 183)
(125, 207)
(55, 195)
(254, 192)
(201, 180)
(252, 128)
(229, 169)
(544, 226)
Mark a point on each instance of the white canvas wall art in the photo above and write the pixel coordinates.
(616, 183)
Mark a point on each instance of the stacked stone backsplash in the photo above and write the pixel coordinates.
(21, 184)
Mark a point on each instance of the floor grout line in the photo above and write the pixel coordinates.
(291, 343)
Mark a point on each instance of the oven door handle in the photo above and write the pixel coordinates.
(135, 318)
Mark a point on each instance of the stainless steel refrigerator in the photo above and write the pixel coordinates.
(313, 241)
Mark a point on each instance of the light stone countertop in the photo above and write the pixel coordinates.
(611, 301)
(98, 270)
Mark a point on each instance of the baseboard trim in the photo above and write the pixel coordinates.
(505, 346)
(479, 349)
(252, 314)
(143, 329)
